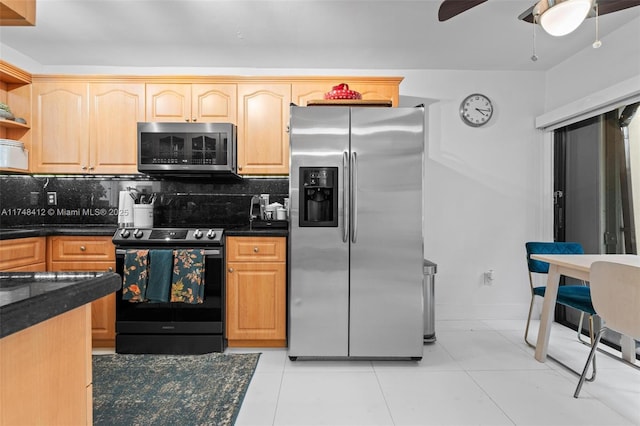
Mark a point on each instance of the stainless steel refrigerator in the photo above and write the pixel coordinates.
(356, 244)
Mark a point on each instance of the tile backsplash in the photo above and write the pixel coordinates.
(87, 200)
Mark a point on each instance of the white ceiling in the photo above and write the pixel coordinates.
(349, 34)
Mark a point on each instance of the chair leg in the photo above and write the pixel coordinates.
(526, 330)
(580, 330)
(592, 354)
(526, 335)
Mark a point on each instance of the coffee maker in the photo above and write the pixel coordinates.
(318, 196)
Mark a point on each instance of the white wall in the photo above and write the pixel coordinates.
(483, 188)
(592, 70)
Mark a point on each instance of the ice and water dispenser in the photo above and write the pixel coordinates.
(318, 196)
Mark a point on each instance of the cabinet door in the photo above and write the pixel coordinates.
(214, 103)
(168, 102)
(114, 113)
(263, 117)
(88, 253)
(60, 128)
(103, 310)
(256, 303)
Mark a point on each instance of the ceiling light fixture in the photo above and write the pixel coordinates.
(561, 17)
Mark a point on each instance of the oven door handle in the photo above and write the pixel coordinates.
(207, 252)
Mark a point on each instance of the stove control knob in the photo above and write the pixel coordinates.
(125, 233)
(197, 234)
(211, 234)
(138, 233)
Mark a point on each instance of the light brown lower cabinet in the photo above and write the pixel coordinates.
(46, 372)
(23, 255)
(83, 253)
(256, 291)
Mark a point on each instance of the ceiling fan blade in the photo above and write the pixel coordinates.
(527, 15)
(450, 8)
(610, 6)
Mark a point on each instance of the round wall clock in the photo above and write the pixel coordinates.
(476, 110)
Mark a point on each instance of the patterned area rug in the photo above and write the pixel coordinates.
(170, 389)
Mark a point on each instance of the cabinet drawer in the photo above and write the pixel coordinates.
(258, 249)
(81, 249)
(22, 252)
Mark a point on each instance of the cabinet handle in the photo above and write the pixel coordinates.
(91, 168)
(239, 167)
(84, 167)
(230, 269)
(186, 119)
(194, 119)
(255, 249)
(82, 248)
(110, 269)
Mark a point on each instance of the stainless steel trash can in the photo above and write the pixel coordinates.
(429, 271)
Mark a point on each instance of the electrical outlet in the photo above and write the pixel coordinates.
(488, 277)
(52, 198)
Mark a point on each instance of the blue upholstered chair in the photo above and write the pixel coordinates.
(574, 296)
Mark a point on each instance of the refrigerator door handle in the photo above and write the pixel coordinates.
(345, 194)
(354, 197)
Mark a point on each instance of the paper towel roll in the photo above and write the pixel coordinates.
(125, 210)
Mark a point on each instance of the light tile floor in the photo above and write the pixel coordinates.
(479, 373)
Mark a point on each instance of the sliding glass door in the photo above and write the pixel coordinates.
(596, 181)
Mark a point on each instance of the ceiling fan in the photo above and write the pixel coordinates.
(547, 10)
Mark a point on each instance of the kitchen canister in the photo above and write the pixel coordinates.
(281, 213)
(143, 215)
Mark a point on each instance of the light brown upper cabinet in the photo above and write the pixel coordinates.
(114, 114)
(263, 118)
(198, 102)
(84, 127)
(379, 89)
(17, 13)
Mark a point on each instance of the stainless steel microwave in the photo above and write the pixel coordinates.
(187, 148)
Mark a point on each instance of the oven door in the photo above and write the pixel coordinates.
(172, 317)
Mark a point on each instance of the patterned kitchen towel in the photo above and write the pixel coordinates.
(160, 267)
(134, 282)
(187, 284)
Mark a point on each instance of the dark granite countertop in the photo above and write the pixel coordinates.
(27, 298)
(47, 230)
(261, 230)
(40, 231)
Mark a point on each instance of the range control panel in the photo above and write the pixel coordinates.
(168, 236)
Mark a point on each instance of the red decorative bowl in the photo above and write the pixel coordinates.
(342, 91)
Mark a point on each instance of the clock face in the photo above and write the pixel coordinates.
(476, 110)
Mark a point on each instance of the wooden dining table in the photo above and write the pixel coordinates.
(575, 266)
